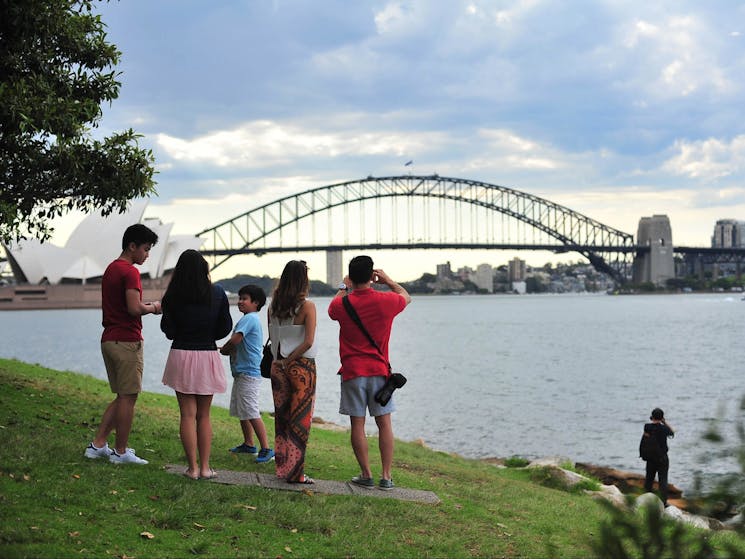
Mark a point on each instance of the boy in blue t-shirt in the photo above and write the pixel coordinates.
(245, 350)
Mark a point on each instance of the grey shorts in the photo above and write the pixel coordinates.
(244, 398)
(124, 364)
(358, 396)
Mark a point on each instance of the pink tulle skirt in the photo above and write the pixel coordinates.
(194, 372)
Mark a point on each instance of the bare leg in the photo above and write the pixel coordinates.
(359, 444)
(260, 429)
(124, 415)
(204, 432)
(107, 424)
(248, 432)
(187, 404)
(385, 443)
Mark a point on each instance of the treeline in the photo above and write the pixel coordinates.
(232, 285)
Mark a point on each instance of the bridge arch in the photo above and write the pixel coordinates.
(555, 227)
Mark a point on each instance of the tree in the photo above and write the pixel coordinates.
(56, 69)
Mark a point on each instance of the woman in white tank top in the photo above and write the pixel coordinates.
(292, 330)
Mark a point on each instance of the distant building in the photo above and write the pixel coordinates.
(517, 270)
(465, 273)
(444, 271)
(728, 233)
(94, 243)
(484, 277)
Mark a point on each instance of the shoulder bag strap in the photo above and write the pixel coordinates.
(356, 318)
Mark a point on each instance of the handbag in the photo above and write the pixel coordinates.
(266, 360)
(394, 380)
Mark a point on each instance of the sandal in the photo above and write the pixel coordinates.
(307, 480)
(186, 474)
(211, 475)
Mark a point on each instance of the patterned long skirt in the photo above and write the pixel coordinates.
(294, 392)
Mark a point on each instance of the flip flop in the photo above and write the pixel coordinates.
(186, 474)
(212, 475)
(307, 480)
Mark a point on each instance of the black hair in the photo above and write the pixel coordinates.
(657, 414)
(291, 290)
(138, 234)
(360, 269)
(190, 281)
(256, 294)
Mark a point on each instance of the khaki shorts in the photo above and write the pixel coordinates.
(124, 365)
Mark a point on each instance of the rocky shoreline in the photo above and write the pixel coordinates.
(617, 486)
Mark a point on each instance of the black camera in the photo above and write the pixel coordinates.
(395, 380)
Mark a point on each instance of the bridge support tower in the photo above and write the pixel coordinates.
(656, 265)
(334, 267)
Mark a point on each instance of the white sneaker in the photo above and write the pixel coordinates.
(128, 457)
(93, 452)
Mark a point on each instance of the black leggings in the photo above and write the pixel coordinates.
(659, 468)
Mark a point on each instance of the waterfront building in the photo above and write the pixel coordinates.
(728, 233)
(484, 277)
(444, 271)
(517, 270)
(94, 243)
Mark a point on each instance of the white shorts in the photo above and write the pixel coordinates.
(244, 398)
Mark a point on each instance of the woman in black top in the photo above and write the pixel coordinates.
(195, 314)
(660, 430)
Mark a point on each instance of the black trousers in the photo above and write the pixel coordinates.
(658, 468)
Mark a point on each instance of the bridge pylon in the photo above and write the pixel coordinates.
(656, 264)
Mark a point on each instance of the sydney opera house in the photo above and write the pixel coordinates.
(50, 276)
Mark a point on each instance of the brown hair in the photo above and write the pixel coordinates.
(291, 290)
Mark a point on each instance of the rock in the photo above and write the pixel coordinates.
(649, 500)
(610, 493)
(702, 522)
(565, 478)
(627, 482)
(548, 461)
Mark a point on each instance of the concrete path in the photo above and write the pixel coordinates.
(270, 481)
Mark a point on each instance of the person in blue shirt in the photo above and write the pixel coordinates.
(245, 350)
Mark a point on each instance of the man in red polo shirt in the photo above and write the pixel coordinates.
(364, 369)
(121, 343)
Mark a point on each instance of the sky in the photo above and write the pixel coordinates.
(617, 109)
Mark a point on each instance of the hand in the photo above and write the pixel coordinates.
(379, 276)
(157, 309)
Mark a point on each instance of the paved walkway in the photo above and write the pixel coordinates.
(270, 481)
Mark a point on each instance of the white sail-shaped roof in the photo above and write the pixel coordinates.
(176, 245)
(94, 243)
(154, 262)
(100, 238)
(83, 268)
(42, 261)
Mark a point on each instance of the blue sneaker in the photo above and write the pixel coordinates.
(243, 448)
(265, 455)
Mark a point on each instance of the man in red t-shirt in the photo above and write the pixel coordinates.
(364, 369)
(121, 343)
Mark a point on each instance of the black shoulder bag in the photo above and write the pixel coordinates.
(394, 380)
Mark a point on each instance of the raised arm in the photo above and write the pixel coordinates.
(379, 276)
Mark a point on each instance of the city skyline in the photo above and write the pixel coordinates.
(616, 110)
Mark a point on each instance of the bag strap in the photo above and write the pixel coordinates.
(356, 319)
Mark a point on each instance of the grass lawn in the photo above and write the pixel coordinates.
(56, 503)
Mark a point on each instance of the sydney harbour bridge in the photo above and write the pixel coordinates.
(434, 212)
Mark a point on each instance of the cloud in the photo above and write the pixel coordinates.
(268, 144)
(677, 56)
(708, 160)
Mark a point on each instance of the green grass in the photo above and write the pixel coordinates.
(56, 503)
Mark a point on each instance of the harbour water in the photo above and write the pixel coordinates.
(569, 375)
